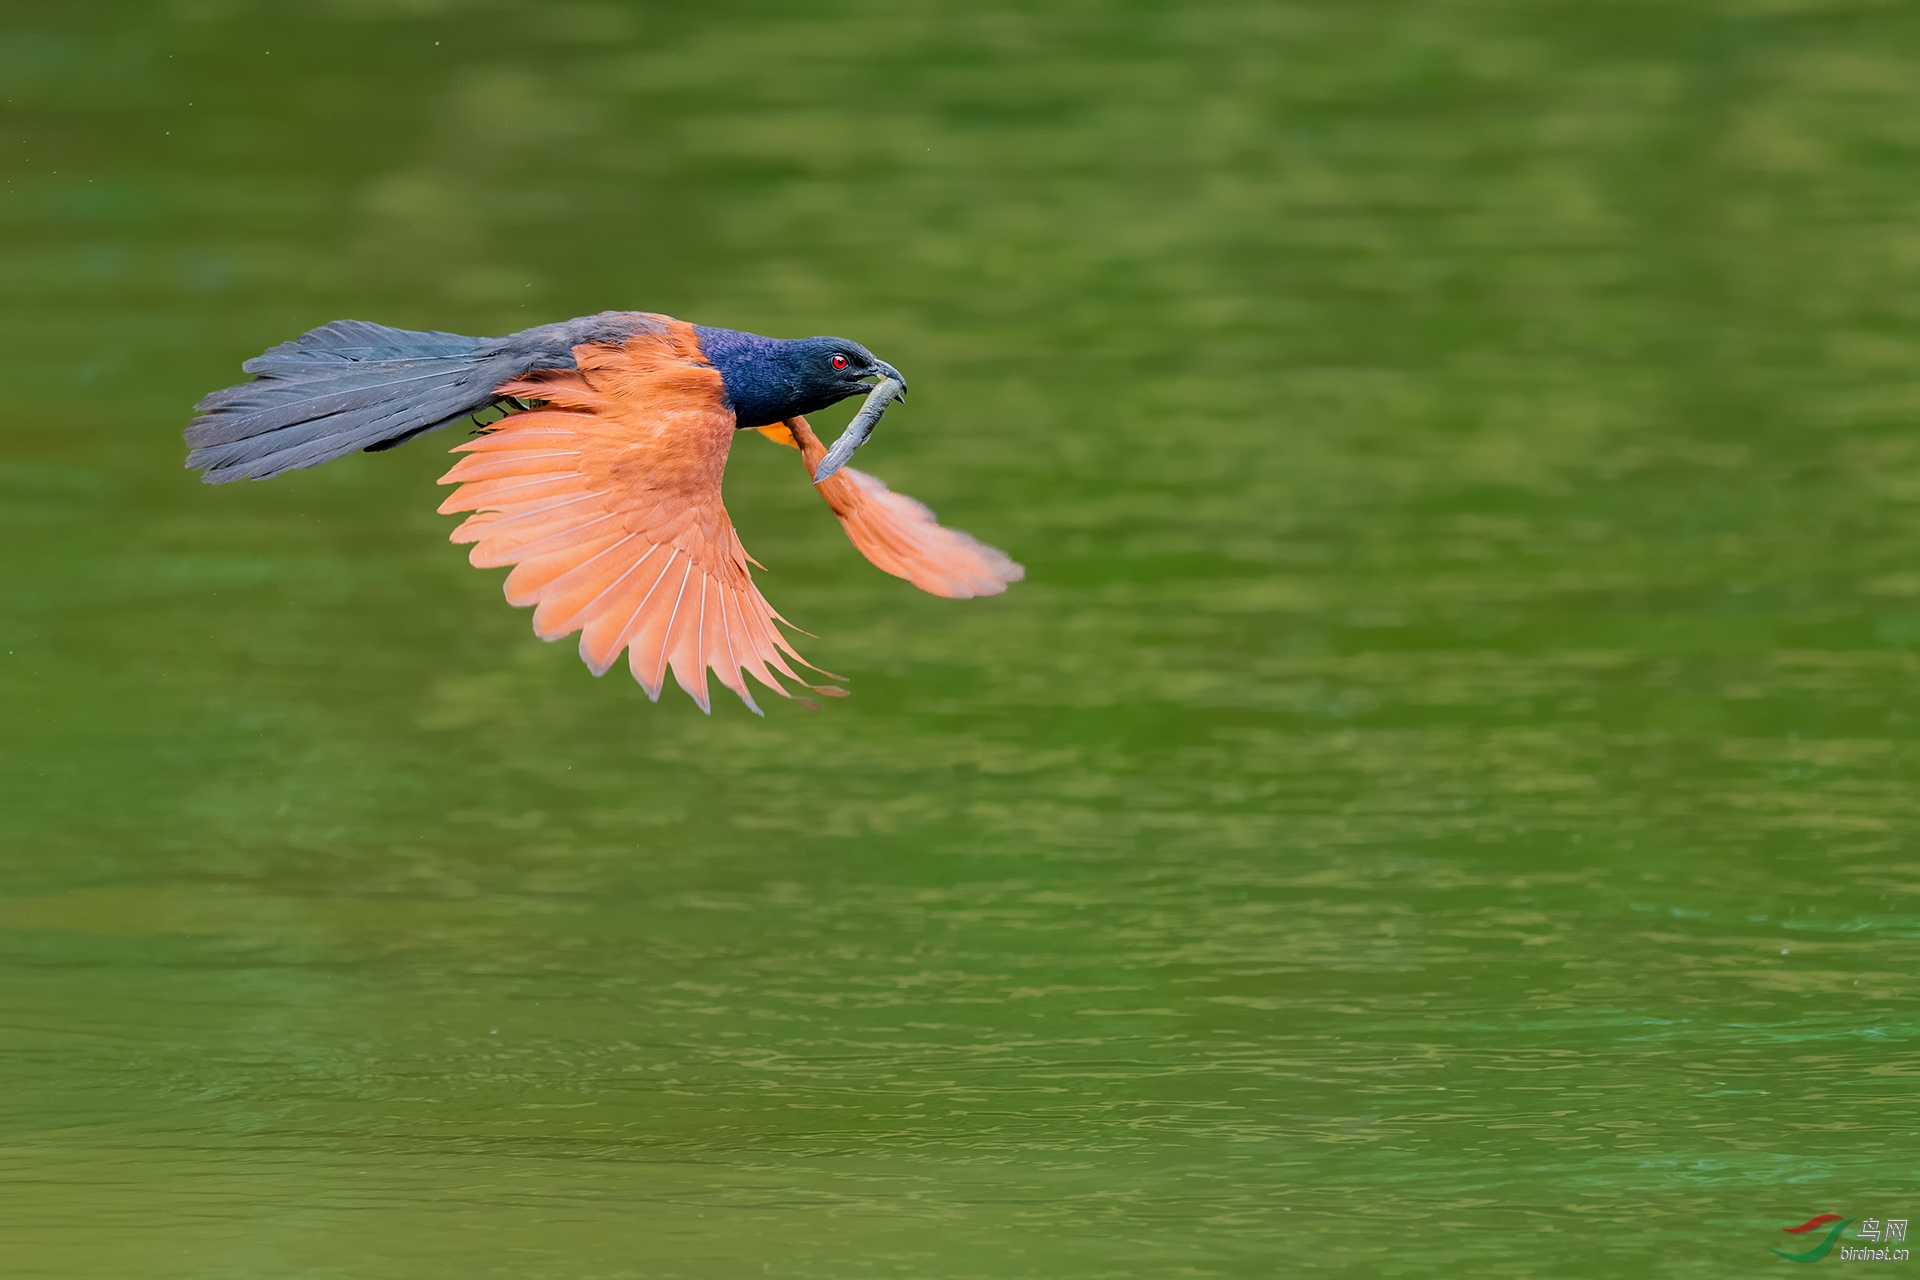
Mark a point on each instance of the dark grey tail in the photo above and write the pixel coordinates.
(353, 385)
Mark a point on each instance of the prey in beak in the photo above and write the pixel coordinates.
(892, 386)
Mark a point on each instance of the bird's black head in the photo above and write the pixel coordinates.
(771, 379)
(828, 370)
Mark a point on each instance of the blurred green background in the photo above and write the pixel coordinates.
(1442, 803)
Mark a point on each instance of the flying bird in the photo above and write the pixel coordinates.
(600, 484)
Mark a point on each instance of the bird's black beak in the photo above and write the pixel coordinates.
(888, 371)
(891, 387)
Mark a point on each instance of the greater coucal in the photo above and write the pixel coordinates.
(601, 485)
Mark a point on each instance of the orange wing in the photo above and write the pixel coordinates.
(606, 500)
(898, 534)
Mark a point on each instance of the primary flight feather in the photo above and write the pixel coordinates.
(601, 486)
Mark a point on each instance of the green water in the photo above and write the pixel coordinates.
(1443, 802)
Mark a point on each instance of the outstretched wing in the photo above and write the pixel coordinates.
(898, 534)
(606, 500)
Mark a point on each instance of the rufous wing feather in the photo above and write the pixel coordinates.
(606, 502)
(899, 535)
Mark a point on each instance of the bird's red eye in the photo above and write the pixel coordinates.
(839, 362)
